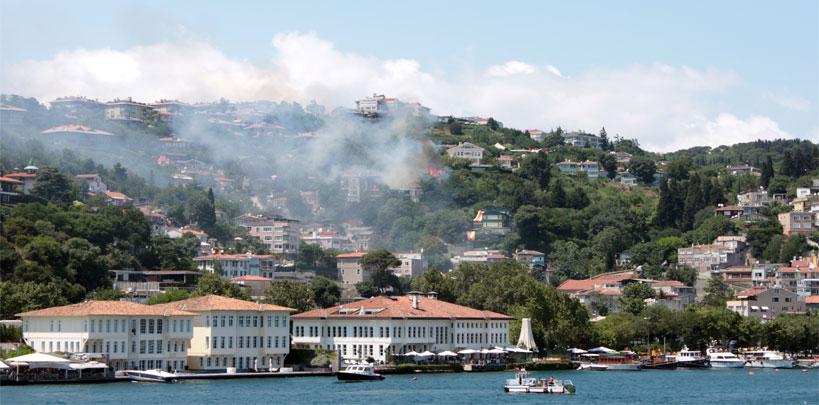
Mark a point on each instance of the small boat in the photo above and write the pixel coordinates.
(691, 359)
(616, 361)
(724, 359)
(767, 359)
(660, 363)
(524, 384)
(359, 372)
(592, 367)
(154, 376)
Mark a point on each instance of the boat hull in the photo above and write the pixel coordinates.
(537, 390)
(770, 364)
(727, 364)
(700, 363)
(667, 365)
(345, 376)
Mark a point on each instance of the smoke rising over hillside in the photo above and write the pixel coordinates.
(634, 101)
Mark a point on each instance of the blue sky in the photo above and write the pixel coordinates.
(757, 62)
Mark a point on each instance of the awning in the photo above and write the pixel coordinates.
(85, 366)
(34, 358)
(3, 365)
(765, 308)
(754, 308)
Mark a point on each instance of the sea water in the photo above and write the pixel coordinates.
(683, 386)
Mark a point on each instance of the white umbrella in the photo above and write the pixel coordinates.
(602, 349)
(447, 353)
(468, 351)
(495, 351)
(426, 354)
(412, 353)
(3, 365)
(575, 350)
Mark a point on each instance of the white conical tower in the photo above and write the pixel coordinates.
(526, 339)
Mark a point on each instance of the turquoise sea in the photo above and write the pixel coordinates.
(649, 387)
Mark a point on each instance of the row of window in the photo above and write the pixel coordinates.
(246, 342)
(440, 333)
(245, 321)
(239, 362)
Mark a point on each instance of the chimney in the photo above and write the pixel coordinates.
(415, 299)
(432, 295)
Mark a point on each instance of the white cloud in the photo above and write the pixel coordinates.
(791, 103)
(663, 106)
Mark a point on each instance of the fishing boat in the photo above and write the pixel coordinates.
(767, 359)
(723, 359)
(359, 372)
(691, 359)
(524, 384)
(153, 376)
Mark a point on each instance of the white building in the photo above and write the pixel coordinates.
(381, 326)
(412, 264)
(126, 334)
(235, 333)
(479, 256)
(592, 169)
(468, 151)
(246, 264)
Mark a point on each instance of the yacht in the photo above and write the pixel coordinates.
(724, 359)
(524, 384)
(359, 372)
(156, 376)
(690, 358)
(768, 359)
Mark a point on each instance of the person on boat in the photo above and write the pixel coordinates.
(551, 380)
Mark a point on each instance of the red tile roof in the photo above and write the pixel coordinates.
(251, 278)
(729, 208)
(10, 180)
(669, 283)
(751, 292)
(399, 308)
(351, 255)
(21, 175)
(116, 195)
(103, 308)
(219, 303)
(240, 256)
(79, 129)
(812, 299)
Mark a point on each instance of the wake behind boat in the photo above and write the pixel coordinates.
(524, 384)
(359, 372)
(154, 376)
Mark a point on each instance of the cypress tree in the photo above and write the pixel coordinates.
(692, 204)
(767, 172)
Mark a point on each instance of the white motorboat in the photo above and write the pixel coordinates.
(156, 376)
(767, 359)
(359, 372)
(524, 384)
(690, 358)
(617, 361)
(724, 359)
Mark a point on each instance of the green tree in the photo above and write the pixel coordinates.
(326, 293)
(456, 128)
(717, 292)
(767, 172)
(375, 264)
(609, 164)
(212, 283)
(290, 294)
(170, 295)
(643, 168)
(634, 296)
(51, 185)
(537, 168)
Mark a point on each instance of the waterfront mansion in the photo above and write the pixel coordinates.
(235, 333)
(381, 326)
(126, 334)
(209, 332)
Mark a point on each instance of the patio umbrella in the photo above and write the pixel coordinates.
(426, 354)
(575, 350)
(412, 353)
(602, 349)
(496, 351)
(468, 351)
(447, 353)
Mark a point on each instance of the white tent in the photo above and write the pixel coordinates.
(447, 353)
(575, 350)
(526, 339)
(602, 349)
(37, 358)
(426, 354)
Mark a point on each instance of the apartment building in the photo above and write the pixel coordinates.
(278, 234)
